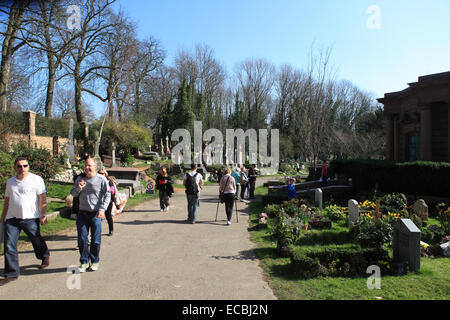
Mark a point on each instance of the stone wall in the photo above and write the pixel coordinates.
(54, 144)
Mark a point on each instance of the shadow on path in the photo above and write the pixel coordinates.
(243, 255)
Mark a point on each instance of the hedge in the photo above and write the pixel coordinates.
(416, 178)
(333, 260)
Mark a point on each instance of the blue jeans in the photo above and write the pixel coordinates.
(86, 221)
(192, 206)
(31, 227)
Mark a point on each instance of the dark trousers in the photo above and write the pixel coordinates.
(243, 189)
(163, 199)
(229, 201)
(109, 218)
(251, 185)
(31, 227)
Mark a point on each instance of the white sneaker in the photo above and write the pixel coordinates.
(167, 208)
(83, 267)
(229, 223)
(161, 210)
(94, 266)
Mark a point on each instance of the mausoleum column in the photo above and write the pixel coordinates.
(389, 137)
(396, 139)
(425, 134)
(448, 130)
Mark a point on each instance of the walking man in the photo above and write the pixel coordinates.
(93, 191)
(24, 209)
(193, 182)
(252, 180)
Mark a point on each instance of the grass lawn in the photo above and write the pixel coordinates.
(433, 281)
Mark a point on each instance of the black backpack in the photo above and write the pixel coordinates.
(191, 184)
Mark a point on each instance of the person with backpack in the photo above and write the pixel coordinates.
(193, 182)
(228, 189)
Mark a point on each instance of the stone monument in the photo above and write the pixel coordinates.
(421, 209)
(406, 244)
(97, 158)
(319, 198)
(353, 212)
(70, 147)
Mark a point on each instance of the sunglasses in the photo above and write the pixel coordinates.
(22, 166)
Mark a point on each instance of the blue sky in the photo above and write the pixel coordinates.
(413, 39)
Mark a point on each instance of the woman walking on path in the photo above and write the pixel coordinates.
(164, 185)
(113, 190)
(228, 188)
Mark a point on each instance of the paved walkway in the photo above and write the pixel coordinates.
(153, 255)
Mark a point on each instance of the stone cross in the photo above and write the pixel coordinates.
(406, 244)
(319, 198)
(353, 212)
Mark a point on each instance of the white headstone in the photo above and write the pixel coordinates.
(353, 212)
(319, 198)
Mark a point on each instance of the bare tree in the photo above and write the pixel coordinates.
(148, 57)
(255, 77)
(15, 11)
(95, 28)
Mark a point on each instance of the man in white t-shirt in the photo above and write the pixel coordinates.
(193, 182)
(24, 209)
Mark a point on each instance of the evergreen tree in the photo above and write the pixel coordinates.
(182, 116)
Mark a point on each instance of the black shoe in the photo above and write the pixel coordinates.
(110, 233)
(7, 280)
(45, 263)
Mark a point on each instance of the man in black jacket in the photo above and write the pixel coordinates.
(252, 180)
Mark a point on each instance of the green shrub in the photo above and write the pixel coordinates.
(273, 210)
(370, 233)
(285, 230)
(334, 212)
(394, 201)
(416, 178)
(40, 159)
(305, 267)
(325, 237)
(432, 234)
(444, 219)
(347, 260)
(6, 170)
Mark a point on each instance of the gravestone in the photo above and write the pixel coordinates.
(353, 212)
(70, 147)
(113, 154)
(421, 209)
(406, 244)
(319, 198)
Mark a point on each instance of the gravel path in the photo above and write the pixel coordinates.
(153, 255)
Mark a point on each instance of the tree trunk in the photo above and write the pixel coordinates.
(4, 81)
(14, 22)
(50, 87)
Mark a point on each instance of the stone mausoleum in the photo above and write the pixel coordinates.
(418, 120)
